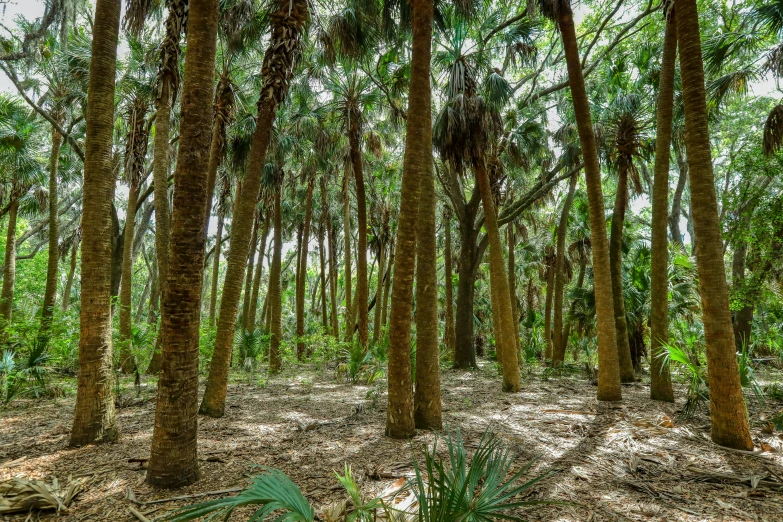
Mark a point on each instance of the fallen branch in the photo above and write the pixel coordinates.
(718, 477)
(194, 495)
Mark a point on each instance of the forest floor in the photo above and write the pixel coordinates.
(635, 460)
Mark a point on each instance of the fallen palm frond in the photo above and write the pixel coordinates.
(19, 495)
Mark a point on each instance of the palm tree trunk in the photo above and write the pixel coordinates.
(727, 405)
(173, 455)
(376, 324)
(579, 283)
(347, 260)
(676, 212)
(387, 286)
(550, 293)
(660, 374)
(322, 259)
(465, 349)
(512, 283)
(558, 353)
(302, 273)
(251, 314)
(426, 399)
(332, 263)
(609, 388)
(9, 270)
(215, 271)
(251, 257)
(450, 336)
(66, 303)
(362, 283)
(417, 159)
(616, 262)
(53, 259)
(127, 361)
(93, 420)
(275, 296)
(502, 318)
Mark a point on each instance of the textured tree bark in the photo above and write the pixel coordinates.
(9, 270)
(251, 258)
(127, 361)
(727, 405)
(376, 324)
(215, 271)
(347, 260)
(69, 281)
(251, 316)
(501, 311)
(332, 264)
(616, 263)
(301, 271)
(53, 256)
(322, 276)
(450, 339)
(387, 288)
(173, 454)
(558, 352)
(512, 283)
(550, 287)
(417, 159)
(676, 211)
(94, 420)
(609, 388)
(275, 304)
(426, 398)
(362, 282)
(465, 350)
(660, 374)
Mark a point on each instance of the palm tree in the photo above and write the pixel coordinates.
(289, 21)
(417, 161)
(449, 337)
(608, 367)
(558, 350)
(727, 411)
(660, 374)
(173, 460)
(93, 419)
(301, 271)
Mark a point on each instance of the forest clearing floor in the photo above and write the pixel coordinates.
(634, 460)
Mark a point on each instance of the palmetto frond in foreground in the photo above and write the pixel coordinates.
(272, 491)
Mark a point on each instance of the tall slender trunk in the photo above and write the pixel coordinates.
(676, 212)
(502, 318)
(322, 260)
(127, 361)
(69, 281)
(609, 388)
(568, 323)
(302, 273)
(249, 272)
(376, 324)
(549, 262)
(251, 314)
(274, 297)
(9, 270)
(512, 283)
(558, 353)
(387, 287)
(173, 455)
(362, 283)
(660, 374)
(426, 398)
(93, 420)
(465, 349)
(417, 161)
(616, 263)
(727, 405)
(347, 260)
(450, 336)
(332, 263)
(139, 314)
(215, 271)
(53, 256)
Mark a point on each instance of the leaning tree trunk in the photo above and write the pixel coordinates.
(502, 318)
(426, 399)
(251, 258)
(93, 420)
(275, 292)
(173, 455)
(127, 361)
(449, 337)
(660, 374)
(347, 260)
(69, 281)
(558, 352)
(417, 160)
(250, 325)
(727, 405)
(676, 211)
(9, 270)
(302, 274)
(53, 258)
(616, 264)
(215, 271)
(287, 25)
(609, 388)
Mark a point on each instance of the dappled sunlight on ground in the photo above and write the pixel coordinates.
(635, 460)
